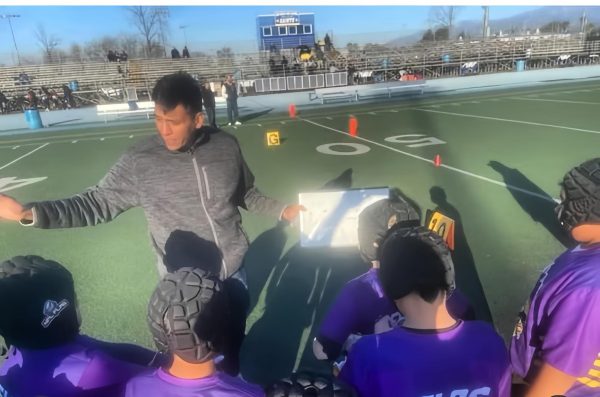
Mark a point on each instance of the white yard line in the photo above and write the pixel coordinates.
(25, 155)
(72, 136)
(562, 127)
(556, 100)
(95, 138)
(464, 172)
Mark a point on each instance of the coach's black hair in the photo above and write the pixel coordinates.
(37, 303)
(178, 89)
(409, 264)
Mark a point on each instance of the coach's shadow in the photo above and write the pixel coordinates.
(302, 284)
(301, 288)
(467, 278)
(265, 251)
(541, 209)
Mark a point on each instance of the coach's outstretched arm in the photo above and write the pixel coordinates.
(255, 201)
(115, 193)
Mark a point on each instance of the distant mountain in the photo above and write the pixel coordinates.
(526, 20)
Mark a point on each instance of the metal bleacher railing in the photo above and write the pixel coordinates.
(105, 81)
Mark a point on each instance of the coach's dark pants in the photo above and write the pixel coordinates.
(210, 116)
(239, 305)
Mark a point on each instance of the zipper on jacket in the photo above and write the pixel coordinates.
(206, 183)
(210, 221)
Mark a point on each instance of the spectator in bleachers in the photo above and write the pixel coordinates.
(556, 342)
(186, 52)
(432, 353)
(230, 93)
(3, 103)
(124, 56)
(361, 308)
(32, 99)
(68, 96)
(175, 53)
(23, 79)
(111, 56)
(208, 101)
(40, 321)
(188, 318)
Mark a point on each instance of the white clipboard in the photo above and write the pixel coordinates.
(331, 218)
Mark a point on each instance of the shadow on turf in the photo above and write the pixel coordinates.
(540, 210)
(266, 250)
(467, 279)
(247, 117)
(302, 285)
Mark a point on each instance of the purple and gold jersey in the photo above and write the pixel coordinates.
(362, 308)
(468, 359)
(560, 325)
(77, 369)
(160, 383)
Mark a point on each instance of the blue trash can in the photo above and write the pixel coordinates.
(446, 58)
(74, 85)
(33, 118)
(521, 65)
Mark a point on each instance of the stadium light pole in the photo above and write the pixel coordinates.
(9, 16)
(184, 28)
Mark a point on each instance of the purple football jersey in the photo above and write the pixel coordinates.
(160, 383)
(468, 359)
(560, 324)
(362, 308)
(77, 369)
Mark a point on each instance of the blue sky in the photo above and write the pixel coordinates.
(211, 27)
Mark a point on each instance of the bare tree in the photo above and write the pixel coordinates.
(225, 57)
(75, 52)
(444, 17)
(48, 43)
(150, 22)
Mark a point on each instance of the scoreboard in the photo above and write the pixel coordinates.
(285, 30)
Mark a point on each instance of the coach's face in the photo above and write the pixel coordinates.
(176, 126)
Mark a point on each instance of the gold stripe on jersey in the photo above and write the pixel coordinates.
(589, 382)
(595, 373)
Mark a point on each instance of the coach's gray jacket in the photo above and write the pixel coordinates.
(197, 190)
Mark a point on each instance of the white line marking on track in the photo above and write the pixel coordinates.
(102, 139)
(483, 178)
(25, 155)
(510, 121)
(75, 141)
(282, 122)
(130, 136)
(260, 125)
(393, 111)
(373, 113)
(329, 118)
(557, 100)
(16, 147)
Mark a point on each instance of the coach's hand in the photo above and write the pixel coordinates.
(12, 210)
(291, 212)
